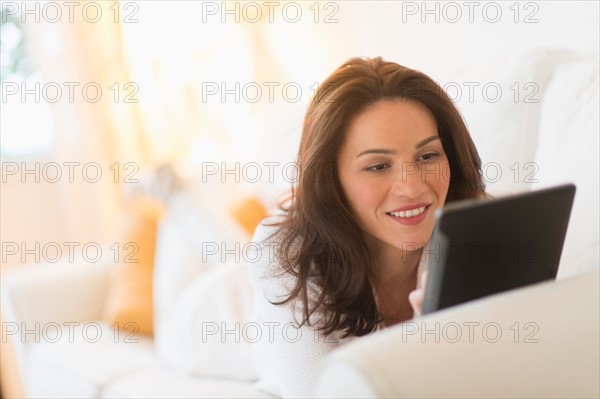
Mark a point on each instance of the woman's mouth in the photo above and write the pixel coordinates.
(410, 217)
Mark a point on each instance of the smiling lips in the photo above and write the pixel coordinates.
(411, 216)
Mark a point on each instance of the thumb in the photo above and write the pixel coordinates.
(417, 296)
(416, 301)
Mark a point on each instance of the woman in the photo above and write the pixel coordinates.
(382, 148)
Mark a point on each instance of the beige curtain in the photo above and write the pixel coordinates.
(151, 110)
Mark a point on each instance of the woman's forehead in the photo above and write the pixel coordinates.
(387, 122)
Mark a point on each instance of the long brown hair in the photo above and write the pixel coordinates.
(320, 242)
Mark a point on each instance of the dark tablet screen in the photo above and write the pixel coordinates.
(483, 247)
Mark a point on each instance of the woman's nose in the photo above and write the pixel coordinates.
(407, 181)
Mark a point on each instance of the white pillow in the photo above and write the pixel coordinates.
(568, 151)
(199, 278)
(207, 333)
(503, 118)
(188, 233)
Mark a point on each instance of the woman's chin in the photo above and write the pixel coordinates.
(410, 247)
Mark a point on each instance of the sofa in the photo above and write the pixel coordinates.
(537, 342)
(540, 340)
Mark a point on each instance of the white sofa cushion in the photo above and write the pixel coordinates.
(161, 383)
(568, 151)
(84, 360)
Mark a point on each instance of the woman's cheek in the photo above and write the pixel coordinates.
(365, 197)
(443, 181)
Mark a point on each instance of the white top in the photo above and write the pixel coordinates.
(288, 358)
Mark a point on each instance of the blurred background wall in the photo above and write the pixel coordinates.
(94, 93)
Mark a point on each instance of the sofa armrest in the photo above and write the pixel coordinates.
(54, 293)
(539, 341)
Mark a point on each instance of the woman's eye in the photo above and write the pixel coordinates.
(429, 156)
(377, 168)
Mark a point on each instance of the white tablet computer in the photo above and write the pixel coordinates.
(483, 247)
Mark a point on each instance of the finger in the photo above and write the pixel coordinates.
(415, 298)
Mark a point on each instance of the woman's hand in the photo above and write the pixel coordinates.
(417, 296)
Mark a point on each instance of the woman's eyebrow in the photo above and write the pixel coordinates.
(425, 141)
(386, 151)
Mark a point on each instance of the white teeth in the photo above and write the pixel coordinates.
(410, 213)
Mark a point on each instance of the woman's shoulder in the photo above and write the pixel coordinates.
(268, 229)
(263, 256)
(265, 266)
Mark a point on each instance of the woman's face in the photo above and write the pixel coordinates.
(394, 172)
